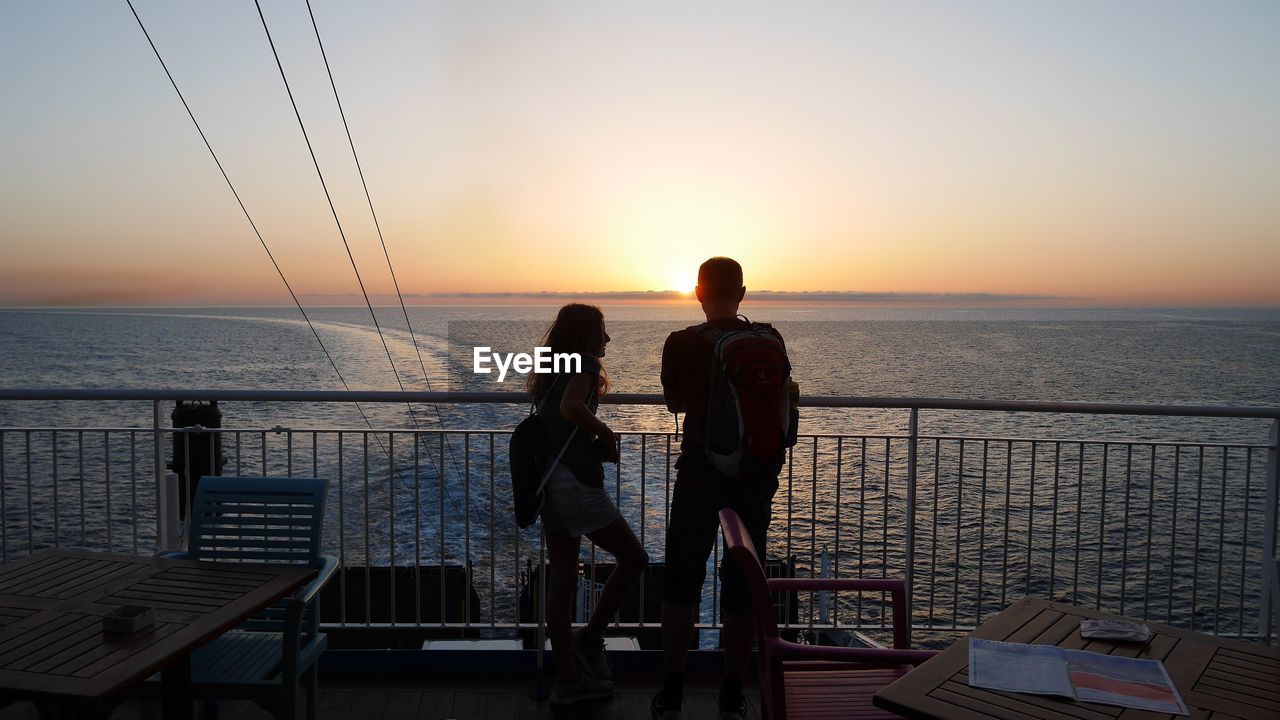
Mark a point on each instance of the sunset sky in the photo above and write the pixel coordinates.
(1100, 153)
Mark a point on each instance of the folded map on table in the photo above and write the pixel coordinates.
(1076, 674)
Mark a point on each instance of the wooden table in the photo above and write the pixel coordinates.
(52, 645)
(1217, 678)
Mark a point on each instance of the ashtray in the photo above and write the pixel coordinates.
(1114, 630)
(127, 619)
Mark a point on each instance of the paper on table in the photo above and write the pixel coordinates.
(1015, 667)
(1077, 674)
(1127, 682)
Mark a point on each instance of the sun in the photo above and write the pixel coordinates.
(684, 282)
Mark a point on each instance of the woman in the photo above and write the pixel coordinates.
(577, 504)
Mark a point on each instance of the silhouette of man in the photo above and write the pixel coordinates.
(700, 493)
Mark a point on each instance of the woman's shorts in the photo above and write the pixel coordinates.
(574, 507)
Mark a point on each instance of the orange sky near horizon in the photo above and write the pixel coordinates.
(1091, 155)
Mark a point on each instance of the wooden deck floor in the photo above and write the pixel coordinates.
(503, 698)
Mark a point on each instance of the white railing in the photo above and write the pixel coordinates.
(1169, 530)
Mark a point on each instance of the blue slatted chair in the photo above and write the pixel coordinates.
(263, 520)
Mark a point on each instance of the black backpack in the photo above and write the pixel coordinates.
(531, 464)
(750, 421)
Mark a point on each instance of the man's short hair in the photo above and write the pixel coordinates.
(720, 277)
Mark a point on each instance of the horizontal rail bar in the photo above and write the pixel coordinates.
(824, 401)
(459, 432)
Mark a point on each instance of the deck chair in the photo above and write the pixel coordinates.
(263, 520)
(799, 682)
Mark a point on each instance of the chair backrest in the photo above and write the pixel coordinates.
(738, 544)
(257, 519)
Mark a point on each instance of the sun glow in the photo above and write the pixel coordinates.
(666, 228)
(683, 280)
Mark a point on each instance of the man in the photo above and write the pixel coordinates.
(700, 493)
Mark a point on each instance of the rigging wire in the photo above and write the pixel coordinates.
(333, 210)
(245, 210)
(378, 226)
(343, 235)
(279, 271)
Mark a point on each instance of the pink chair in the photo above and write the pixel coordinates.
(817, 681)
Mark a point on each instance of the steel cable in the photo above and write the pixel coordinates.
(341, 232)
(378, 227)
(333, 210)
(245, 210)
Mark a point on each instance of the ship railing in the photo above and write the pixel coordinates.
(1168, 530)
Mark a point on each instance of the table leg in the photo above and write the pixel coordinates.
(176, 683)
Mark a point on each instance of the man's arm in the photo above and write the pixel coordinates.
(672, 385)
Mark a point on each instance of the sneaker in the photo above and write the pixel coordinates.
(591, 657)
(733, 711)
(660, 710)
(585, 688)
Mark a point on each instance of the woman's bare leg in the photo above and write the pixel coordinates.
(618, 540)
(562, 550)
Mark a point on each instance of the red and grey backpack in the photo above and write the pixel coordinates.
(749, 425)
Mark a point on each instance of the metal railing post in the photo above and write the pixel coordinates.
(168, 531)
(157, 448)
(913, 427)
(1267, 607)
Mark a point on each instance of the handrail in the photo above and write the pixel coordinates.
(517, 398)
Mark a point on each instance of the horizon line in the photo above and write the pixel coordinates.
(760, 295)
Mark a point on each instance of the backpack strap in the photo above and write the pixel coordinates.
(552, 465)
(537, 407)
(708, 332)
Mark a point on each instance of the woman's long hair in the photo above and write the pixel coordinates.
(577, 329)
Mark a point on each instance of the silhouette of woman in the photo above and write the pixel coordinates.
(577, 504)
